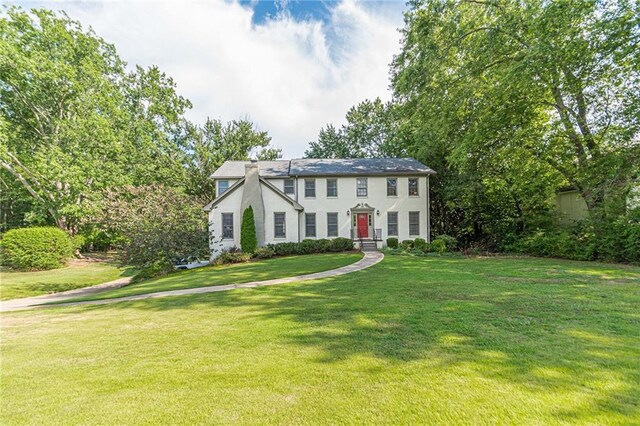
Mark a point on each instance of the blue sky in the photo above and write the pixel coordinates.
(290, 66)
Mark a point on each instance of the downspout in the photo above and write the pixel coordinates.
(428, 213)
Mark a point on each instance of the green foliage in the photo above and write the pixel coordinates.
(79, 242)
(232, 257)
(153, 270)
(310, 246)
(392, 243)
(407, 245)
(160, 224)
(341, 244)
(264, 253)
(438, 246)
(420, 244)
(248, 238)
(450, 242)
(37, 248)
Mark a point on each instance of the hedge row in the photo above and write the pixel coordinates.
(442, 244)
(36, 248)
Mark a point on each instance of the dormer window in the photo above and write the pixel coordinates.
(223, 185)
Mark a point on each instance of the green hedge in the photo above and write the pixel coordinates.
(312, 246)
(37, 248)
(392, 243)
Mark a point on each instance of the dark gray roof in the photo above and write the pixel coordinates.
(358, 166)
(235, 169)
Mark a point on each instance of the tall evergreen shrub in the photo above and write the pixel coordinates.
(248, 238)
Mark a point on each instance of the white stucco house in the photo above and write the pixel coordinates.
(366, 199)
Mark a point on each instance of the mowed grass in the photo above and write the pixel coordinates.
(233, 274)
(407, 341)
(79, 273)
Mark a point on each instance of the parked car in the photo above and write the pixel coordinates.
(190, 263)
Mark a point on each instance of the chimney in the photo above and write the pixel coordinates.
(252, 196)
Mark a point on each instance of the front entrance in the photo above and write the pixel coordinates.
(363, 225)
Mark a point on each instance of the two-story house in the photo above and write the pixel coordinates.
(367, 199)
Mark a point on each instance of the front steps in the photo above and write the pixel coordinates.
(368, 245)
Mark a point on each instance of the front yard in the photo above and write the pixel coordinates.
(410, 340)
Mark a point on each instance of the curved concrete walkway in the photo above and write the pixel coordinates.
(369, 259)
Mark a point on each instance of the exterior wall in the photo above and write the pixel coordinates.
(231, 204)
(571, 206)
(274, 203)
(376, 198)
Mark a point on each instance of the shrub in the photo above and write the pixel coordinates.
(323, 245)
(341, 244)
(248, 238)
(392, 243)
(285, 249)
(407, 245)
(264, 253)
(79, 242)
(449, 241)
(392, 251)
(438, 246)
(420, 244)
(232, 257)
(37, 248)
(416, 252)
(153, 270)
(307, 246)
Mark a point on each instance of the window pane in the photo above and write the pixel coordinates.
(332, 224)
(392, 223)
(289, 186)
(414, 223)
(392, 187)
(361, 187)
(227, 226)
(310, 224)
(332, 187)
(279, 225)
(309, 187)
(223, 185)
(413, 186)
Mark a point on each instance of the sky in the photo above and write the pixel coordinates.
(289, 66)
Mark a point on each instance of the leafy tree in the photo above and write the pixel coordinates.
(371, 131)
(553, 84)
(216, 142)
(160, 224)
(248, 237)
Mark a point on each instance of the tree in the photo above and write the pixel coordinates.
(371, 131)
(552, 83)
(160, 224)
(216, 142)
(74, 123)
(248, 237)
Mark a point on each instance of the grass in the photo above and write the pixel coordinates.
(407, 341)
(79, 273)
(233, 274)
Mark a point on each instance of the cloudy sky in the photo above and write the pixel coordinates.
(289, 66)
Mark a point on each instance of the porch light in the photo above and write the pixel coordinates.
(378, 212)
(348, 212)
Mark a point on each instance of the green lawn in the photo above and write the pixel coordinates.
(407, 341)
(234, 274)
(78, 274)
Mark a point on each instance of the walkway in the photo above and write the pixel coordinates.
(369, 259)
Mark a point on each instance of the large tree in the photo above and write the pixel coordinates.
(548, 87)
(74, 122)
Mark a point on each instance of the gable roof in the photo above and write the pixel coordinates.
(358, 166)
(239, 183)
(235, 169)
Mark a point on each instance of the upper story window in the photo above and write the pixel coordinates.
(279, 225)
(361, 187)
(227, 226)
(310, 188)
(413, 187)
(332, 187)
(392, 187)
(223, 185)
(289, 186)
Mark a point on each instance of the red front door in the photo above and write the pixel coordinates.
(363, 225)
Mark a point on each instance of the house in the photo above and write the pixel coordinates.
(366, 199)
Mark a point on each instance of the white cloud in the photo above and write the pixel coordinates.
(290, 77)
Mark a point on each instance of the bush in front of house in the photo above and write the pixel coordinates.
(420, 244)
(341, 244)
(438, 246)
(248, 238)
(309, 246)
(264, 253)
(37, 248)
(392, 243)
(450, 242)
(407, 245)
(232, 256)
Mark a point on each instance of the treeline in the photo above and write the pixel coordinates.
(509, 102)
(77, 125)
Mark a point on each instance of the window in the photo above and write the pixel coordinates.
(279, 225)
(227, 226)
(310, 188)
(289, 187)
(332, 224)
(392, 187)
(361, 187)
(392, 223)
(223, 185)
(332, 187)
(414, 223)
(310, 224)
(413, 186)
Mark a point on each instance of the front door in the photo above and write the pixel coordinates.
(363, 225)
